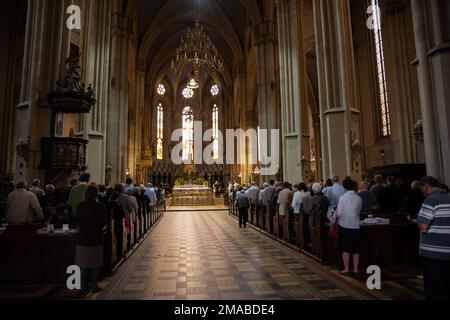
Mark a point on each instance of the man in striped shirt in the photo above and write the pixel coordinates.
(434, 224)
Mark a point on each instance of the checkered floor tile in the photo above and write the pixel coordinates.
(205, 256)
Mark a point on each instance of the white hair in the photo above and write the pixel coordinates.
(316, 188)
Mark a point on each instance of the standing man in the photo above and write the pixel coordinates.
(36, 189)
(334, 194)
(367, 198)
(270, 197)
(390, 198)
(23, 206)
(151, 194)
(285, 201)
(77, 194)
(242, 204)
(253, 195)
(434, 224)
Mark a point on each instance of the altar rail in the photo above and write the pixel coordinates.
(28, 258)
(392, 245)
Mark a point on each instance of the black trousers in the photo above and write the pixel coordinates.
(89, 276)
(436, 278)
(243, 217)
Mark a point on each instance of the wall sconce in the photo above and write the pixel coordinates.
(418, 132)
(303, 159)
(356, 146)
(357, 150)
(257, 171)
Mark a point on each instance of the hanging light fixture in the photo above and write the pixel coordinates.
(197, 50)
(193, 84)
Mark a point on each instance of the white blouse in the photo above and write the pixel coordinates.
(348, 210)
(299, 196)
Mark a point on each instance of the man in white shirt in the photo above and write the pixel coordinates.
(299, 195)
(23, 206)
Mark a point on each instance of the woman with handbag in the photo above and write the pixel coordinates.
(349, 237)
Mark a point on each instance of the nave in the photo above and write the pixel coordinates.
(203, 255)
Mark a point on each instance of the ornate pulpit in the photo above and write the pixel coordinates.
(63, 157)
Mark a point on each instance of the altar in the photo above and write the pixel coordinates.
(192, 195)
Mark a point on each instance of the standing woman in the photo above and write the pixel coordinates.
(348, 213)
(91, 220)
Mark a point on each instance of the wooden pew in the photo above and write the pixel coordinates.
(261, 216)
(253, 218)
(319, 238)
(298, 229)
(276, 223)
(268, 220)
(286, 227)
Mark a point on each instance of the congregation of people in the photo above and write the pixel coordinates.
(344, 205)
(119, 214)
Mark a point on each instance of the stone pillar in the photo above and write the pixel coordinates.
(340, 115)
(402, 78)
(117, 132)
(139, 143)
(12, 35)
(293, 85)
(268, 97)
(435, 152)
(439, 55)
(46, 48)
(96, 63)
(242, 103)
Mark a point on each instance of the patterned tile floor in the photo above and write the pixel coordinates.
(205, 256)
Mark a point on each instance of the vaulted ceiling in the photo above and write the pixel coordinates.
(162, 23)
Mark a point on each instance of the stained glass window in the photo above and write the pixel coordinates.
(188, 93)
(215, 128)
(160, 132)
(215, 90)
(381, 73)
(188, 134)
(161, 90)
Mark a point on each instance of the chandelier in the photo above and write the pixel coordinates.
(196, 50)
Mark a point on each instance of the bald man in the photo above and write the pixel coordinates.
(367, 197)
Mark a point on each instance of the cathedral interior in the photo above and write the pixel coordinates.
(104, 86)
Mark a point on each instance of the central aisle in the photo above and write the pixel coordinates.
(205, 256)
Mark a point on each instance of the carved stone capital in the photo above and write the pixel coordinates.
(265, 32)
(122, 26)
(395, 7)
